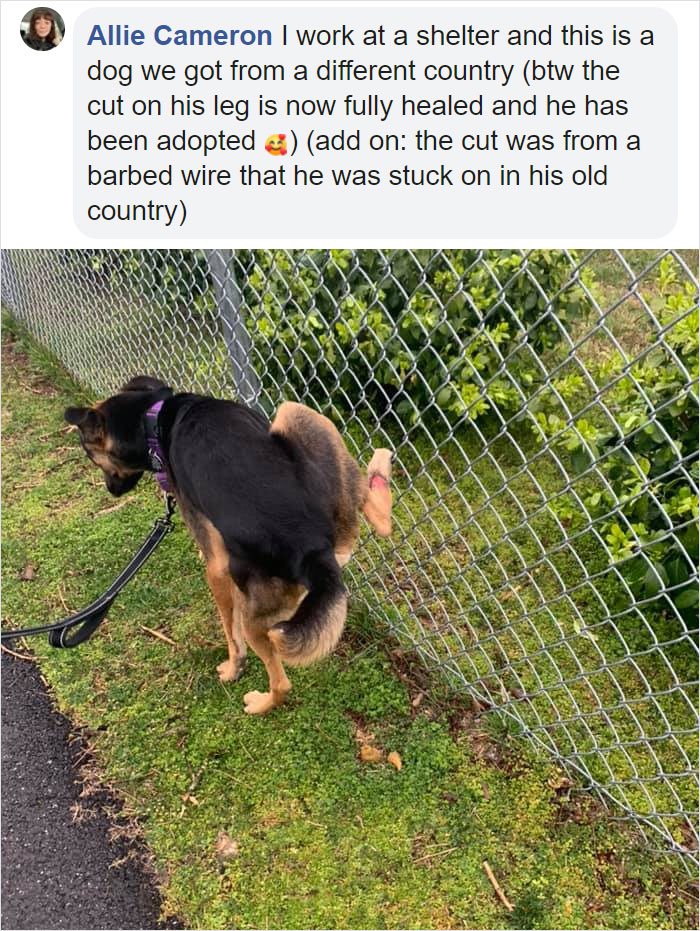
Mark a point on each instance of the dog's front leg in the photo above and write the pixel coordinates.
(228, 601)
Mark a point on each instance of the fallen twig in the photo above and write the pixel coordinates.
(63, 600)
(114, 507)
(35, 482)
(497, 888)
(157, 633)
(193, 785)
(437, 853)
(18, 655)
(328, 737)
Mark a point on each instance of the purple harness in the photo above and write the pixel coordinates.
(155, 453)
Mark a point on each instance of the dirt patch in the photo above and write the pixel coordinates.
(18, 362)
(464, 715)
(574, 805)
(11, 352)
(419, 684)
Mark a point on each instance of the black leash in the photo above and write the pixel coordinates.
(91, 617)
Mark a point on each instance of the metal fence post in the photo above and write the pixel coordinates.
(228, 301)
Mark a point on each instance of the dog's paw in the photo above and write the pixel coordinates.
(231, 670)
(258, 702)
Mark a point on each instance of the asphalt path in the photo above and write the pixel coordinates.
(57, 870)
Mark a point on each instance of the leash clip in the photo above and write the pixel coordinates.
(166, 522)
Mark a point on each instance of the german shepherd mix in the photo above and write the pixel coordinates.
(274, 508)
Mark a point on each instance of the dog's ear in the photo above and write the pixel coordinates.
(89, 421)
(144, 383)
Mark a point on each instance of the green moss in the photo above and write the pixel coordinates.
(325, 841)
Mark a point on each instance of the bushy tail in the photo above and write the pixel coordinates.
(318, 622)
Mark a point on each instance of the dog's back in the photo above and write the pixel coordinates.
(227, 467)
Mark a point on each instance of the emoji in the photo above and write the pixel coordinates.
(277, 144)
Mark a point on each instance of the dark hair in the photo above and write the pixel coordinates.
(44, 13)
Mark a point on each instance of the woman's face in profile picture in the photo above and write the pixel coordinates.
(42, 26)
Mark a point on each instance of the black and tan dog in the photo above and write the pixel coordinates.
(274, 508)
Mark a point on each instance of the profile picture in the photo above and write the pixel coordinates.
(42, 29)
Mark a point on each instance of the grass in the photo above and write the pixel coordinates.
(322, 840)
(625, 285)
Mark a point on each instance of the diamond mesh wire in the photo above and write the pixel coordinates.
(543, 411)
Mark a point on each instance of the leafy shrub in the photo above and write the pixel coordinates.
(642, 434)
(173, 281)
(437, 324)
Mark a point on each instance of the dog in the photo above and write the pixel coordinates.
(274, 508)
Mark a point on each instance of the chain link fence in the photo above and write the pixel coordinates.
(543, 409)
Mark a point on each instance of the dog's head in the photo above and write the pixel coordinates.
(112, 432)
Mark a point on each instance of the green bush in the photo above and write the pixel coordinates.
(642, 435)
(173, 281)
(415, 329)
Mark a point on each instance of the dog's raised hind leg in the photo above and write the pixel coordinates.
(377, 506)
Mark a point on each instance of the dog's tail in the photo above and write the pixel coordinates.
(315, 628)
